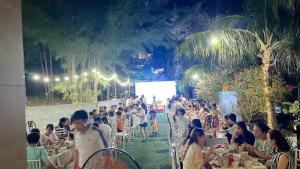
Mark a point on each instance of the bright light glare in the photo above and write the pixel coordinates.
(66, 78)
(161, 90)
(46, 79)
(214, 41)
(85, 73)
(94, 70)
(57, 79)
(36, 77)
(75, 76)
(195, 76)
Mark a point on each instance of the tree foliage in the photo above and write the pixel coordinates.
(248, 86)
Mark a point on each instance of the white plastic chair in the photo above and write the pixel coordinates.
(123, 136)
(34, 164)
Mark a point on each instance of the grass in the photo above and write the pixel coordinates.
(153, 154)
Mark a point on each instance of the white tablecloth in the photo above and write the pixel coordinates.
(215, 141)
(63, 159)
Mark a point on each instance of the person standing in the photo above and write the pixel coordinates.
(107, 131)
(143, 121)
(153, 119)
(215, 113)
(88, 138)
(143, 99)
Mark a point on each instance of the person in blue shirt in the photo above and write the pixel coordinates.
(34, 152)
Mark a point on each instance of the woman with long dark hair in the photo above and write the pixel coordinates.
(242, 135)
(196, 123)
(281, 157)
(195, 158)
(143, 121)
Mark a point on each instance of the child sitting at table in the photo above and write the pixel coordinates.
(38, 153)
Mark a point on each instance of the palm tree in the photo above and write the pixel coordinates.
(231, 46)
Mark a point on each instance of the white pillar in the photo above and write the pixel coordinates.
(12, 87)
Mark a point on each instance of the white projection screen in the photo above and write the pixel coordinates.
(160, 89)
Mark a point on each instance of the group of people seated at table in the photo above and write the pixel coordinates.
(83, 125)
(196, 119)
(35, 149)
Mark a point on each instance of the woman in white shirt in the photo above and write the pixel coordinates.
(49, 135)
(194, 157)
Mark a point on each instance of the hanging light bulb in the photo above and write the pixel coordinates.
(195, 76)
(85, 73)
(46, 79)
(57, 79)
(66, 78)
(36, 77)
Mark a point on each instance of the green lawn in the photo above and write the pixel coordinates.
(153, 154)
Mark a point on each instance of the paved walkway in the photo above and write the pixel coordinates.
(153, 154)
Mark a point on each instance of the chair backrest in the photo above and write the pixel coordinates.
(34, 164)
(297, 158)
(110, 158)
(30, 125)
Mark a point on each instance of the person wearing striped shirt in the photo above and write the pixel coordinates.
(281, 156)
(61, 129)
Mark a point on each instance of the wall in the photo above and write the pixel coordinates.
(12, 87)
(43, 115)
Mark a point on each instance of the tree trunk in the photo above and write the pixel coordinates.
(42, 66)
(74, 91)
(47, 72)
(51, 74)
(108, 92)
(269, 106)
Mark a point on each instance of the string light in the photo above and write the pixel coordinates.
(36, 77)
(46, 79)
(108, 79)
(66, 78)
(57, 79)
(85, 73)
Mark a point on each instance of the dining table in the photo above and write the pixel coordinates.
(61, 153)
(63, 158)
(232, 157)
